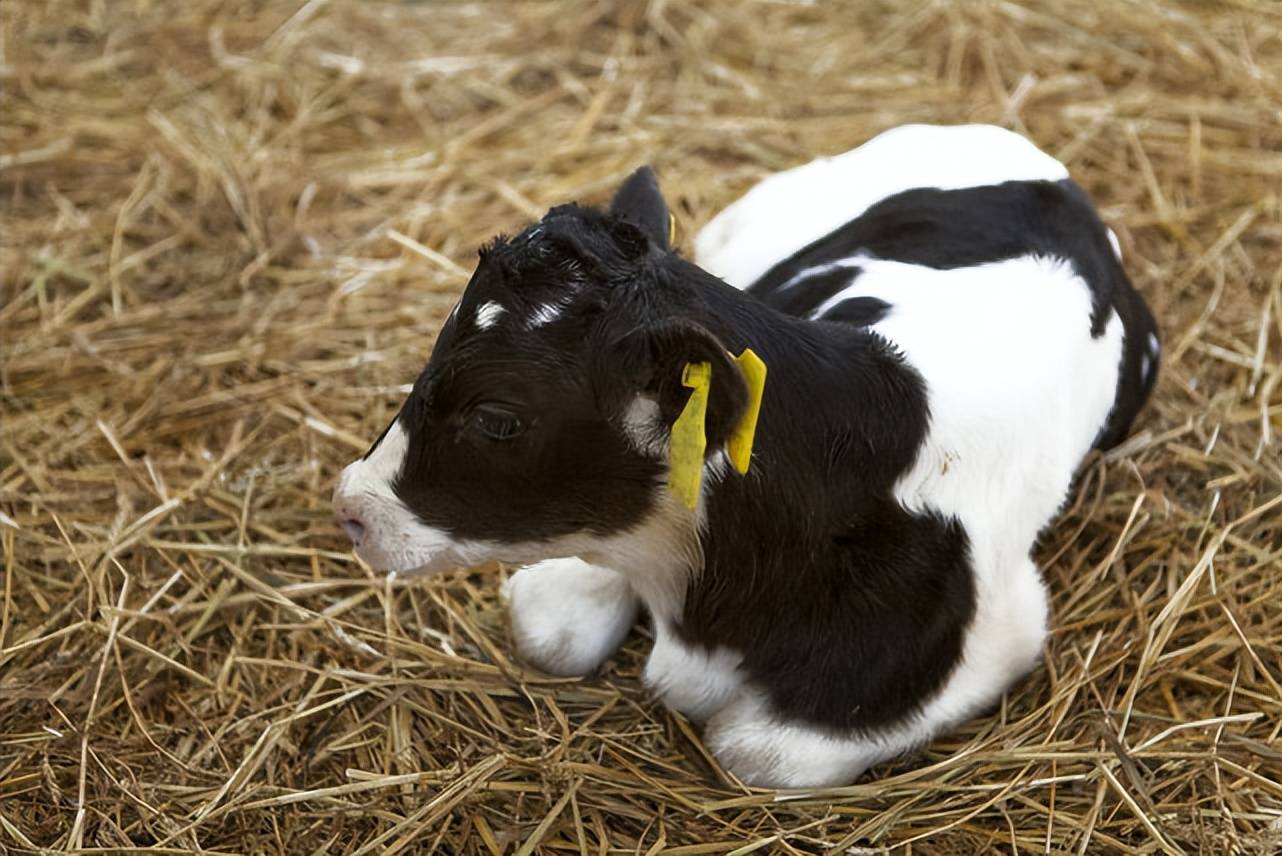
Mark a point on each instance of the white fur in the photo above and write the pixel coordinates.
(657, 557)
(565, 611)
(691, 679)
(763, 751)
(545, 314)
(1004, 644)
(488, 315)
(1006, 436)
(568, 616)
(790, 209)
(1149, 356)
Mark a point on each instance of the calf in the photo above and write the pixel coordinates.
(837, 565)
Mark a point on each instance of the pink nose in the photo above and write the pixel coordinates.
(354, 529)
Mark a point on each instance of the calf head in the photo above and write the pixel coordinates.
(539, 426)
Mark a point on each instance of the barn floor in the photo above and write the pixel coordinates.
(228, 233)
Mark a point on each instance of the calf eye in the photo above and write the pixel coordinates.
(496, 423)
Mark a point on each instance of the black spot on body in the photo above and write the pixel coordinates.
(810, 290)
(946, 229)
(849, 610)
(859, 311)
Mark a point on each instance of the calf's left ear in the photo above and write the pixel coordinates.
(640, 203)
(656, 356)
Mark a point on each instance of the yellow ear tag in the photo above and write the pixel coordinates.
(685, 453)
(672, 229)
(754, 375)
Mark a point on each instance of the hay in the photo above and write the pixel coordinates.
(229, 233)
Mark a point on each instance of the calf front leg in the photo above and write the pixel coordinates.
(694, 680)
(568, 616)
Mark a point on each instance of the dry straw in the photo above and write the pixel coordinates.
(229, 231)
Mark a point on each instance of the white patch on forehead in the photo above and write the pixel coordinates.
(545, 314)
(488, 315)
(549, 312)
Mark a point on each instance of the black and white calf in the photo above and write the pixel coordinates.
(947, 330)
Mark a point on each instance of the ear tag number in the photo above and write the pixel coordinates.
(689, 439)
(754, 375)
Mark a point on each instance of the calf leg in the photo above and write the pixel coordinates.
(568, 616)
(767, 752)
(691, 679)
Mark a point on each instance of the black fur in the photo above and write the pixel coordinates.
(860, 311)
(640, 203)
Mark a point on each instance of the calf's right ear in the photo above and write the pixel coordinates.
(640, 203)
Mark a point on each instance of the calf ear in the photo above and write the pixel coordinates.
(640, 202)
(655, 358)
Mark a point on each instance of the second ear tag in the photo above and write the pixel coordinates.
(754, 376)
(689, 439)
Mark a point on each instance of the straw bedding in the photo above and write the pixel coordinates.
(229, 232)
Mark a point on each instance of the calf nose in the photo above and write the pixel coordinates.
(346, 510)
(354, 528)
